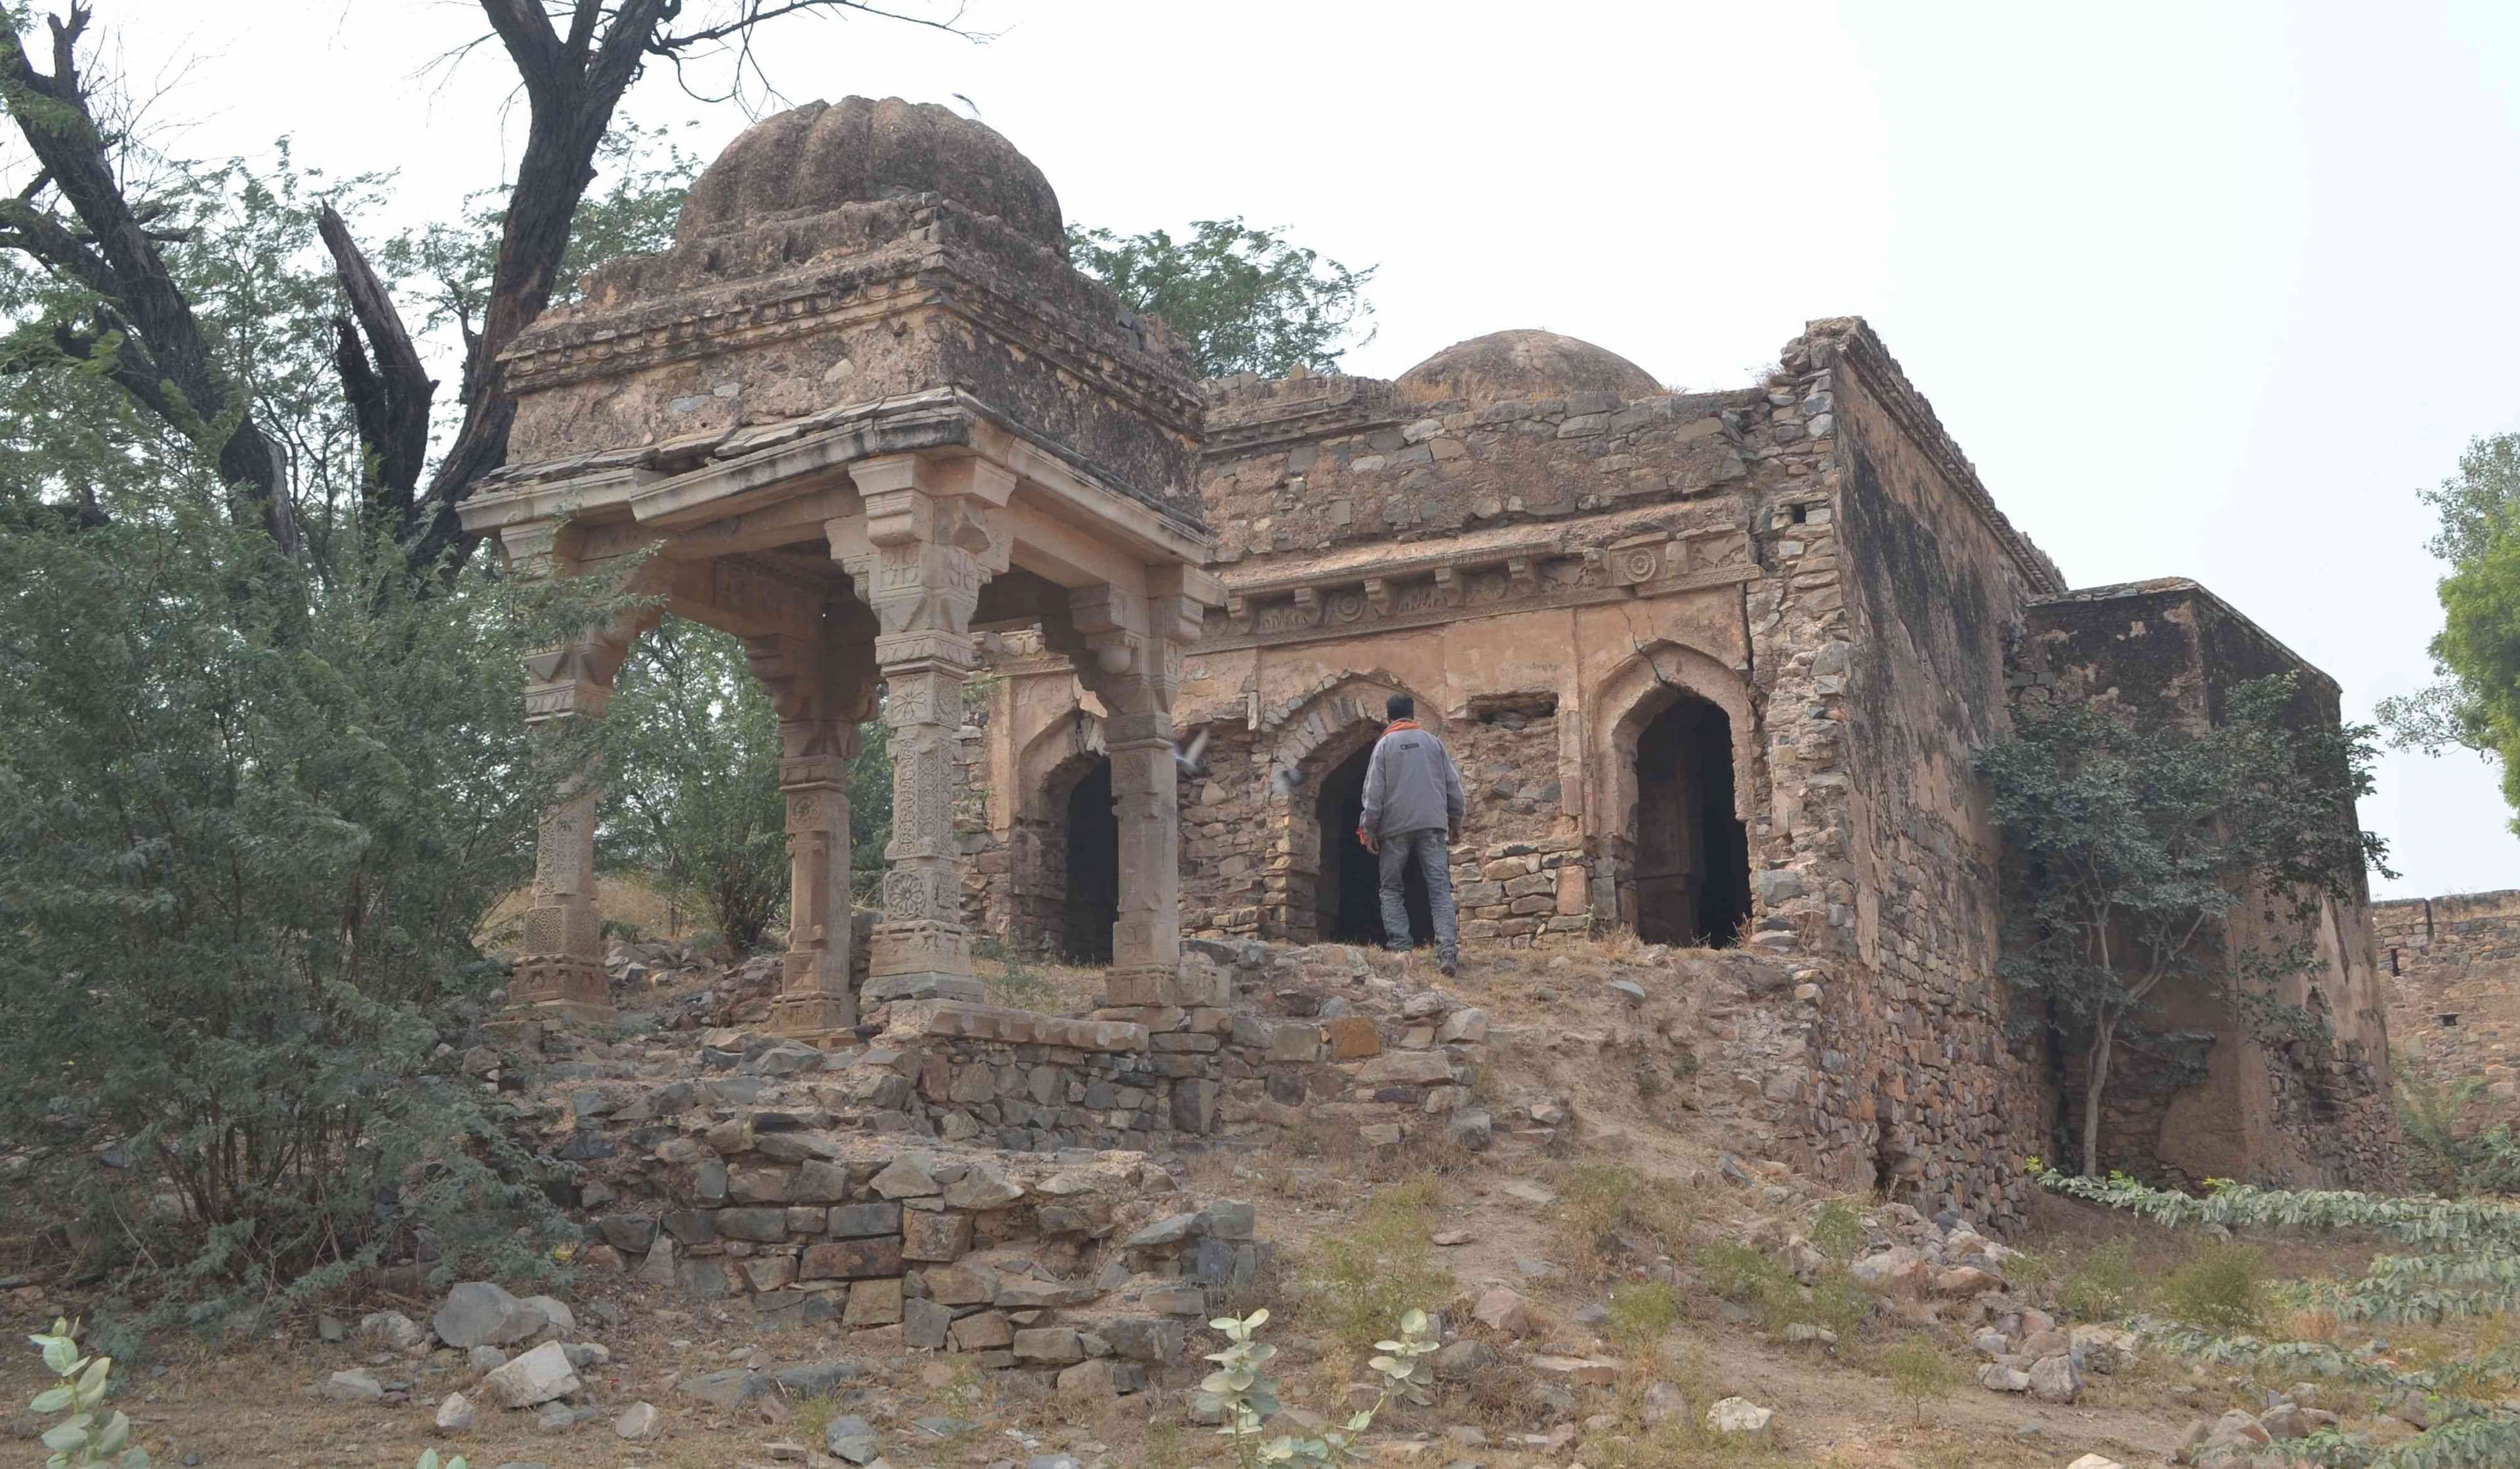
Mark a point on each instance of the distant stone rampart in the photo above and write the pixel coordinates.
(2452, 968)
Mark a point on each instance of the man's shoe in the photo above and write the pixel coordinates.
(1452, 965)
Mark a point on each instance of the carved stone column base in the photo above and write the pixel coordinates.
(1196, 983)
(573, 985)
(811, 1000)
(812, 1018)
(922, 960)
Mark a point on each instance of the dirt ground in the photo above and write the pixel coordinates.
(1552, 1028)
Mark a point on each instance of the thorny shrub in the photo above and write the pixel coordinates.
(1368, 1275)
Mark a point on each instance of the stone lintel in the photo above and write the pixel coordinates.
(978, 1021)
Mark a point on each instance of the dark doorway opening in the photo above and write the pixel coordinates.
(1351, 877)
(1692, 872)
(1093, 903)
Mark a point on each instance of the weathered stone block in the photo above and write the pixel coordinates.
(1049, 1345)
(1352, 1037)
(1406, 1069)
(851, 1259)
(926, 1325)
(766, 1227)
(859, 1221)
(985, 1332)
(941, 1237)
(874, 1302)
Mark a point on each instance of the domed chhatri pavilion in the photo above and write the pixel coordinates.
(1713, 663)
(862, 409)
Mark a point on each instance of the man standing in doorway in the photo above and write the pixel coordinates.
(1414, 805)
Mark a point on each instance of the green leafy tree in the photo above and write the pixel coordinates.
(646, 176)
(2474, 700)
(2136, 842)
(693, 778)
(2461, 1262)
(1246, 300)
(249, 824)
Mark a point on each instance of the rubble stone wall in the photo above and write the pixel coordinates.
(1904, 597)
(2452, 968)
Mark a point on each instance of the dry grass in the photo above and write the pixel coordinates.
(1022, 983)
(1606, 1206)
(624, 898)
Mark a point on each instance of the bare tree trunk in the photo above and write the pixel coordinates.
(575, 59)
(2102, 1045)
(158, 352)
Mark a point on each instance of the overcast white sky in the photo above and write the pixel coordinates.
(2204, 290)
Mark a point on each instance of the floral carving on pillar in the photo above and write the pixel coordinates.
(1131, 657)
(822, 687)
(927, 552)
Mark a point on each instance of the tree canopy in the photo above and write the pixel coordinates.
(1246, 300)
(92, 222)
(2474, 700)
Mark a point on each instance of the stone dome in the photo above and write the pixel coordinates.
(823, 154)
(1523, 364)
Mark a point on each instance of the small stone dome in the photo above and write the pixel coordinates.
(821, 155)
(1523, 364)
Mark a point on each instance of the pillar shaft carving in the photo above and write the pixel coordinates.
(561, 967)
(929, 546)
(1132, 661)
(822, 689)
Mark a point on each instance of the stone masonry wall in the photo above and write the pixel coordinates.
(2452, 968)
(1871, 885)
(1004, 1186)
(1907, 593)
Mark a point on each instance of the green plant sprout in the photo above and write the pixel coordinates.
(1243, 1391)
(80, 1441)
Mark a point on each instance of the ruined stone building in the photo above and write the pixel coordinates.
(1713, 663)
(2453, 967)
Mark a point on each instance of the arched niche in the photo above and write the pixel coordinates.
(1682, 712)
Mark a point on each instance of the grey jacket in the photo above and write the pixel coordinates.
(1410, 786)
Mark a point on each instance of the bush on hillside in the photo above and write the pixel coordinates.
(249, 820)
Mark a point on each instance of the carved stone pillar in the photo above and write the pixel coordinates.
(1133, 664)
(822, 690)
(561, 970)
(927, 548)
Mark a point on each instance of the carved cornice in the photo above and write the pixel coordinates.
(1462, 582)
(936, 419)
(855, 290)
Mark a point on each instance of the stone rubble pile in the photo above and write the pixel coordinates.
(2289, 1415)
(1943, 1269)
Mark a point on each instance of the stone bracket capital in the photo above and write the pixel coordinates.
(925, 651)
(1137, 730)
(802, 773)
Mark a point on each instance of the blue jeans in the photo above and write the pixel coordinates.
(1426, 850)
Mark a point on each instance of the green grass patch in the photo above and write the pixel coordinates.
(1642, 1314)
(1380, 1270)
(2223, 1287)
